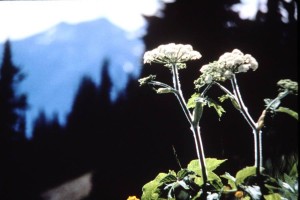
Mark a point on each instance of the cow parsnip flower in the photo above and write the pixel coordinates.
(172, 54)
(225, 67)
(289, 85)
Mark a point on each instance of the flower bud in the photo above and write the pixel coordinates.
(164, 90)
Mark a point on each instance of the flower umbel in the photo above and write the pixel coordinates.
(225, 67)
(172, 53)
(287, 84)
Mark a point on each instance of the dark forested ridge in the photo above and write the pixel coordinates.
(125, 143)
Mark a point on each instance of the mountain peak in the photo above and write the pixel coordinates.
(55, 61)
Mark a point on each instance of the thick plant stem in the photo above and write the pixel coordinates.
(256, 132)
(258, 152)
(200, 151)
(194, 127)
(244, 109)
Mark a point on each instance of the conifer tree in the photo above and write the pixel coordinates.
(12, 104)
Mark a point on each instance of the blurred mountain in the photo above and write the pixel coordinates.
(54, 62)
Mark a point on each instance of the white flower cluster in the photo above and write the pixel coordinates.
(228, 64)
(288, 84)
(170, 54)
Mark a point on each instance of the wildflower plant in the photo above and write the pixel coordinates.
(198, 180)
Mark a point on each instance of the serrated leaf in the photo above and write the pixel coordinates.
(288, 111)
(213, 163)
(244, 173)
(223, 97)
(232, 99)
(219, 109)
(192, 101)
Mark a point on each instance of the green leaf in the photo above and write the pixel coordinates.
(274, 196)
(183, 173)
(231, 180)
(213, 163)
(215, 180)
(244, 173)
(294, 171)
(224, 97)
(192, 101)
(232, 99)
(198, 180)
(170, 178)
(219, 109)
(288, 111)
(150, 191)
(194, 166)
(272, 188)
(197, 196)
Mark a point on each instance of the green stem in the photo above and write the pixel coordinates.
(157, 83)
(278, 98)
(194, 127)
(256, 133)
(244, 109)
(200, 152)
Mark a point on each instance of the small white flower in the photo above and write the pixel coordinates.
(238, 60)
(237, 52)
(204, 68)
(252, 61)
(228, 74)
(208, 79)
(254, 64)
(244, 68)
(229, 63)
